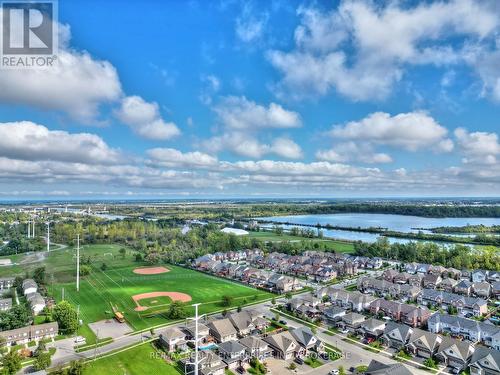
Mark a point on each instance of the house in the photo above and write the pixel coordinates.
(431, 281)
(255, 347)
(243, 322)
(495, 289)
(286, 284)
(203, 332)
(423, 269)
(26, 334)
(372, 328)
(233, 354)
(307, 340)
(401, 278)
(209, 364)
(352, 321)
(5, 304)
(379, 368)
(222, 330)
(437, 270)
(469, 329)
(173, 339)
(284, 345)
(423, 344)
(415, 280)
(396, 335)
(397, 311)
(479, 276)
(481, 289)
(438, 298)
(36, 301)
(463, 287)
(485, 361)
(454, 353)
(6, 283)
(334, 313)
(29, 286)
(493, 276)
(448, 284)
(389, 275)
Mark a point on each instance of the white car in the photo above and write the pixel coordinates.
(334, 372)
(344, 331)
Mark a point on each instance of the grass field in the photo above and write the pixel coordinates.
(137, 361)
(115, 286)
(337, 245)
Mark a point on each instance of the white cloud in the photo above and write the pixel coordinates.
(286, 148)
(478, 147)
(242, 114)
(29, 141)
(76, 85)
(411, 131)
(211, 85)
(145, 120)
(362, 49)
(171, 158)
(351, 151)
(249, 26)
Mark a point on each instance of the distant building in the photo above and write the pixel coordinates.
(29, 286)
(5, 304)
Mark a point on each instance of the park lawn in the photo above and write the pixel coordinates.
(101, 291)
(136, 361)
(332, 245)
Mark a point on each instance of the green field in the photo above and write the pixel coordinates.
(335, 245)
(115, 286)
(137, 361)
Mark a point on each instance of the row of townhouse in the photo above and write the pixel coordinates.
(441, 299)
(472, 330)
(414, 316)
(35, 299)
(475, 275)
(253, 276)
(447, 350)
(6, 283)
(405, 292)
(464, 286)
(24, 335)
(239, 338)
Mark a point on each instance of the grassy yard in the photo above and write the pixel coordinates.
(137, 361)
(336, 245)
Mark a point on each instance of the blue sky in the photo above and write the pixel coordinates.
(258, 98)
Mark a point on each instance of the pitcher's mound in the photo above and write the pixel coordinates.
(150, 270)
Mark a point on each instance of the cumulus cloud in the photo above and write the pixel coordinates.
(411, 131)
(361, 49)
(242, 114)
(145, 120)
(351, 151)
(29, 141)
(170, 157)
(77, 85)
(478, 147)
(286, 148)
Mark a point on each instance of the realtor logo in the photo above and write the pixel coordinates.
(29, 34)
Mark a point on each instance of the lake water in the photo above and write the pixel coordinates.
(400, 223)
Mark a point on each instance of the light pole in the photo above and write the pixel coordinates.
(48, 236)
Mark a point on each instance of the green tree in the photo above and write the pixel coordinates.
(85, 270)
(42, 361)
(104, 267)
(39, 275)
(11, 363)
(273, 301)
(226, 300)
(123, 252)
(429, 362)
(341, 370)
(176, 310)
(65, 315)
(76, 368)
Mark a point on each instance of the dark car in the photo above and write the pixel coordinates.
(299, 360)
(283, 322)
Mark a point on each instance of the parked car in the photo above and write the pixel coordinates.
(299, 360)
(344, 331)
(334, 372)
(284, 322)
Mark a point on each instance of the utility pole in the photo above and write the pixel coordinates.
(78, 262)
(48, 236)
(196, 338)
(29, 228)
(33, 233)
